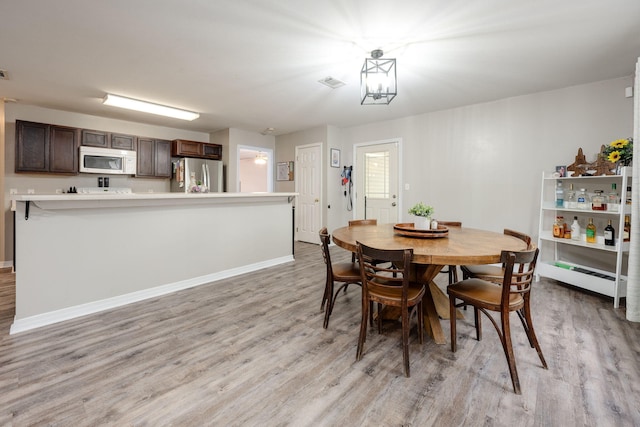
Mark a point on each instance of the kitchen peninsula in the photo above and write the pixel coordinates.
(78, 254)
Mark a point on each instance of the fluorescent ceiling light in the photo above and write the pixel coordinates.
(147, 107)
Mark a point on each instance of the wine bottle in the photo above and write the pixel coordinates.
(627, 228)
(609, 235)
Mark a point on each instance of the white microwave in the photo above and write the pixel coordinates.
(107, 161)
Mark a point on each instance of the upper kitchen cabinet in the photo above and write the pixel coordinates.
(203, 150)
(154, 158)
(46, 148)
(97, 138)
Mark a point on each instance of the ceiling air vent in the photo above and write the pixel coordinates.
(4, 75)
(332, 82)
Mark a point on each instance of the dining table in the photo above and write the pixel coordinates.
(431, 252)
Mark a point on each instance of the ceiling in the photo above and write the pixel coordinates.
(256, 64)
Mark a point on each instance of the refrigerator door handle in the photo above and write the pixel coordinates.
(207, 178)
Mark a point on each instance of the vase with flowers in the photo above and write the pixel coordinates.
(620, 152)
(423, 214)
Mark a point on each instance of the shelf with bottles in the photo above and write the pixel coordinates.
(551, 206)
(582, 242)
(606, 201)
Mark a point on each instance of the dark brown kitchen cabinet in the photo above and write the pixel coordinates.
(97, 138)
(154, 158)
(123, 142)
(46, 148)
(184, 148)
(212, 151)
(201, 150)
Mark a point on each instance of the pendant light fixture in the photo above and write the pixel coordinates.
(378, 80)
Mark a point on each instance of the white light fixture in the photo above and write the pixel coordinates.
(147, 107)
(378, 81)
(261, 159)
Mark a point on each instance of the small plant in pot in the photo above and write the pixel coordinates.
(423, 215)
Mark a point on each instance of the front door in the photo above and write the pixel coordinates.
(309, 188)
(377, 182)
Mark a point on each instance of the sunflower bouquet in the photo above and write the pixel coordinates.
(620, 151)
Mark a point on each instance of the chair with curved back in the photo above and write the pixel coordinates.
(389, 285)
(489, 272)
(514, 295)
(451, 270)
(344, 272)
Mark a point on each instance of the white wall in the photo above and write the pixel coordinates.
(482, 164)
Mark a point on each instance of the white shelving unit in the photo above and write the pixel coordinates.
(572, 261)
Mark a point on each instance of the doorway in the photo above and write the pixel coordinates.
(377, 181)
(255, 169)
(308, 183)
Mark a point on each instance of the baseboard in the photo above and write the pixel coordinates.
(44, 319)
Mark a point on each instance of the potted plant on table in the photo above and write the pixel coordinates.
(423, 214)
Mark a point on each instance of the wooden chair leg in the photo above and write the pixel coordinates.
(478, 322)
(452, 322)
(328, 290)
(405, 342)
(420, 319)
(371, 313)
(508, 351)
(379, 315)
(363, 328)
(531, 334)
(328, 298)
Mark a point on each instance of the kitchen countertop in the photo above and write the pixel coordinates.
(76, 200)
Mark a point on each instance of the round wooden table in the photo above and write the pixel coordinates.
(462, 246)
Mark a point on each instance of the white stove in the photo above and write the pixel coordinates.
(104, 190)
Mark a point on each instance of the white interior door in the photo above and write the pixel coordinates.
(377, 182)
(309, 188)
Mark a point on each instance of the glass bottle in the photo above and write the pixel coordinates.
(559, 195)
(613, 200)
(567, 231)
(628, 201)
(609, 235)
(591, 231)
(558, 227)
(570, 201)
(598, 202)
(581, 202)
(626, 235)
(575, 229)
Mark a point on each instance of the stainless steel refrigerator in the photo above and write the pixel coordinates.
(196, 175)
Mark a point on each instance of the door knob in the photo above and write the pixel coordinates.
(393, 204)
(316, 200)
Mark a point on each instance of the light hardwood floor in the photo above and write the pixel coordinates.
(251, 351)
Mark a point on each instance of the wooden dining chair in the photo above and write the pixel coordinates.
(343, 272)
(514, 295)
(389, 285)
(357, 222)
(489, 272)
(451, 270)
